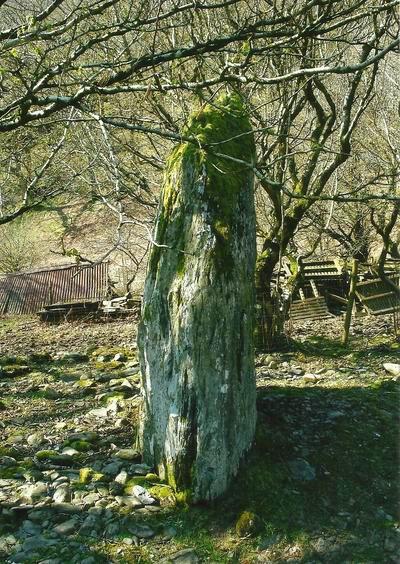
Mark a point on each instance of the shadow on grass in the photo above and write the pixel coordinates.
(349, 437)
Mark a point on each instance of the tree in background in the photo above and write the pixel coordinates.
(25, 241)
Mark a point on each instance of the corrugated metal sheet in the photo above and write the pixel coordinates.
(27, 292)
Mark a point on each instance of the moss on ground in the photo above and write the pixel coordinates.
(46, 454)
(162, 492)
(8, 451)
(88, 475)
(80, 446)
(246, 524)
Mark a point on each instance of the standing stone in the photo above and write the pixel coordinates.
(196, 333)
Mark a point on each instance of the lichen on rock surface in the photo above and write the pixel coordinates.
(196, 333)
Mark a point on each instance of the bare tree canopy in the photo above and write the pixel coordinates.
(62, 53)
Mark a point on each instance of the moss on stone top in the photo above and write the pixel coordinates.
(246, 524)
(221, 151)
(221, 129)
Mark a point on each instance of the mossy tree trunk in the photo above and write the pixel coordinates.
(270, 325)
(196, 333)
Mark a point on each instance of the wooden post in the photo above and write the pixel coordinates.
(350, 302)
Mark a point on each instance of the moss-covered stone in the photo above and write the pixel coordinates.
(246, 524)
(109, 352)
(11, 360)
(85, 475)
(11, 472)
(108, 366)
(88, 475)
(136, 481)
(162, 492)
(222, 151)
(40, 357)
(54, 457)
(46, 454)
(198, 304)
(80, 446)
(86, 383)
(184, 497)
(89, 436)
(8, 451)
(152, 477)
(112, 397)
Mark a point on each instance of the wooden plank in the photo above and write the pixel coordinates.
(337, 298)
(378, 296)
(312, 299)
(312, 317)
(385, 311)
(314, 288)
(306, 305)
(310, 307)
(375, 281)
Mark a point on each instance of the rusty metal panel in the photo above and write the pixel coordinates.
(377, 296)
(27, 292)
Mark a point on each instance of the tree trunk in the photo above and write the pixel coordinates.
(196, 333)
(269, 322)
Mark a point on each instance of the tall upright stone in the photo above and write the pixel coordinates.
(196, 333)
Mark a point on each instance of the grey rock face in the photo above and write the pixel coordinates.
(112, 529)
(33, 492)
(196, 332)
(62, 494)
(392, 368)
(112, 468)
(142, 531)
(143, 495)
(37, 542)
(30, 528)
(67, 527)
